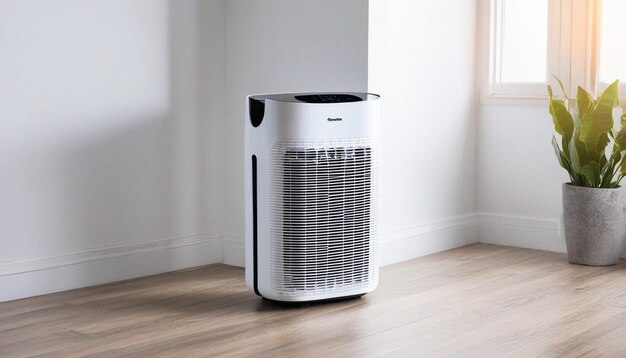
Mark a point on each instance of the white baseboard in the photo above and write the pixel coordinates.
(395, 246)
(427, 238)
(523, 231)
(431, 237)
(32, 277)
(38, 276)
(233, 250)
(520, 231)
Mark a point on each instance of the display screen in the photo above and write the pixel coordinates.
(328, 98)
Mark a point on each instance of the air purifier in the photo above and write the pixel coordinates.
(311, 195)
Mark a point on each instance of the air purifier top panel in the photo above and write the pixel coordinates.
(312, 116)
(318, 97)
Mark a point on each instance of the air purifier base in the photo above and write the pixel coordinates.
(304, 303)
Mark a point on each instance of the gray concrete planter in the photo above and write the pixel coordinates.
(593, 225)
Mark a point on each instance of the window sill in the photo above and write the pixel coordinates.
(513, 100)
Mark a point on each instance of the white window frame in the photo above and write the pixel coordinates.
(571, 52)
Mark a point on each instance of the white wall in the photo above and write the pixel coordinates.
(282, 46)
(99, 144)
(421, 59)
(121, 126)
(519, 179)
(518, 172)
(212, 110)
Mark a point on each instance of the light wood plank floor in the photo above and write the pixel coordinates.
(477, 301)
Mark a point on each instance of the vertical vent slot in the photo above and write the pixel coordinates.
(255, 235)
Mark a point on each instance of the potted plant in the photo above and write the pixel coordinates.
(592, 152)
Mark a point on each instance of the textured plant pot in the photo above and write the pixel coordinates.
(593, 225)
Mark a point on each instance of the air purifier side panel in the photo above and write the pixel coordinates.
(258, 141)
(248, 204)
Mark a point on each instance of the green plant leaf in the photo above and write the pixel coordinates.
(616, 163)
(563, 160)
(563, 121)
(603, 161)
(557, 150)
(610, 166)
(603, 142)
(591, 171)
(620, 138)
(586, 135)
(596, 123)
(562, 87)
(584, 102)
(578, 154)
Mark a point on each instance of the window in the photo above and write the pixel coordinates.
(612, 45)
(519, 47)
(532, 42)
(523, 49)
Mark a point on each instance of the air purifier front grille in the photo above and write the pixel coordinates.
(322, 227)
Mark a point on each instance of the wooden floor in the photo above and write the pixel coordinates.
(476, 301)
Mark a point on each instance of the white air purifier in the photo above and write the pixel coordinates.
(311, 195)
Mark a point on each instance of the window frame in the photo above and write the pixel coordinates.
(572, 52)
